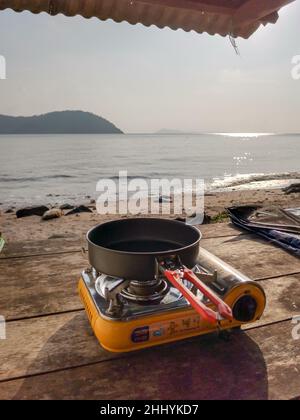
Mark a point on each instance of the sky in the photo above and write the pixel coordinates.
(147, 79)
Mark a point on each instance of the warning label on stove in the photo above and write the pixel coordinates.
(167, 329)
(175, 327)
(140, 335)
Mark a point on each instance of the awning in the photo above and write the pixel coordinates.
(239, 18)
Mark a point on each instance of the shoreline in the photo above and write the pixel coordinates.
(75, 226)
(242, 183)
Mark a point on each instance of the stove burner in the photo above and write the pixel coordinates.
(122, 295)
(147, 292)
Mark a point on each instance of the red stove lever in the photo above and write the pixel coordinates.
(223, 309)
(207, 314)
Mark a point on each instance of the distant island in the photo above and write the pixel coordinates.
(64, 122)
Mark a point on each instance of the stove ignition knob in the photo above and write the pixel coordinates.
(245, 309)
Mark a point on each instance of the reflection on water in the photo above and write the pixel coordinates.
(66, 167)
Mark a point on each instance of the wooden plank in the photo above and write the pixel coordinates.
(220, 230)
(45, 285)
(260, 364)
(253, 256)
(40, 285)
(74, 244)
(48, 343)
(42, 247)
(55, 342)
(283, 300)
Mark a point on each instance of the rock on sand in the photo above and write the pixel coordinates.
(32, 211)
(52, 214)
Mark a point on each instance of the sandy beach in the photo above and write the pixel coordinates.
(76, 226)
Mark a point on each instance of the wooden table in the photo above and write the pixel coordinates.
(50, 350)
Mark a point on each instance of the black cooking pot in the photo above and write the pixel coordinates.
(129, 248)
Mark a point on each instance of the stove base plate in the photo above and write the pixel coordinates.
(151, 330)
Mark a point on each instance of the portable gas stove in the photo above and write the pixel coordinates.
(128, 315)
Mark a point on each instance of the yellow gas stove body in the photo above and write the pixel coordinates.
(152, 325)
